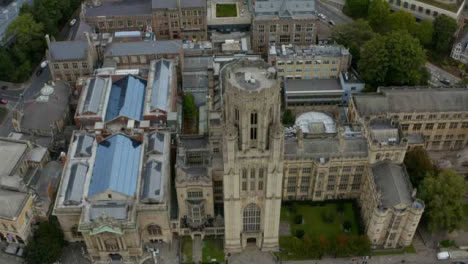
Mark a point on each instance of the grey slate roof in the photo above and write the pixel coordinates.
(172, 4)
(11, 153)
(393, 183)
(143, 47)
(285, 9)
(75, 186)
(161, 86)
(68, 50)
(120, 8)
(153, 182)
(311, 85)
(11, 203)
(94, 94)
(84, 146)
(325, 147)
(41, 115)
(156, 143)
(411, 99)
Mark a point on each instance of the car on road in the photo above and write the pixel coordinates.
(39, 71)
(3, 101)
(44, 64)
(322, 16)
(72, 22)
(443, 255)
(331, 22)
(445, 81)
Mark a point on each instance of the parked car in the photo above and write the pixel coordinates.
(322, 16)
(445, 81)
(331, 22)
(39, 71)
(3, 101)
(443, 255)
(72, 22)
(44, 64)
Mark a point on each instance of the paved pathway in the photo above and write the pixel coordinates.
(197, 247)
(251, 255)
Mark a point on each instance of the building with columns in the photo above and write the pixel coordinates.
(253, 156)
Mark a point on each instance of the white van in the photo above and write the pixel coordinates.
(444, 255)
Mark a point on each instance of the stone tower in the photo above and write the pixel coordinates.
(253, 156)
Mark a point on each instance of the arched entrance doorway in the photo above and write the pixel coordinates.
(115, 257)
(251, 241)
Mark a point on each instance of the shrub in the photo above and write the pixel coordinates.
(327, 217)
(340, 208)
(300, 233)
(298, 219)
(347, 226)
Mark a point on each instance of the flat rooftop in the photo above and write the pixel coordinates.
(311, 86)
(311, 51)
(120, 8)
(251, 78)
(242, 14)
(11, 152)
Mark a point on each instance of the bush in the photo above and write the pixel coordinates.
(300, 233)
(347, 226)
(298, 219)
(448, 243)
(327, 217)
(340, 208)
(288, 117)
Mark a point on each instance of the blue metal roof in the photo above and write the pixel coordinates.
(161, 86)
(116, 166)
(126, 98)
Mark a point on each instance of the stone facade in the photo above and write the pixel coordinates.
(253, 156)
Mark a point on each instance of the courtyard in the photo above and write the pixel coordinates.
(310, 230)
(213, 250)
(226, 10)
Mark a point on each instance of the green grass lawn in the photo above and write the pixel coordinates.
(212, 249)
(408, 249)
(3, 113)
(313, 224)
(187, 249)
(226, 10)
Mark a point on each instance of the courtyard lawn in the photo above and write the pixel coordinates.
(212, 249)
(313, 223)
(226, 10)
(187, 249)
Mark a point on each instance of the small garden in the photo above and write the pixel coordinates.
(212, 250)
(226, 10)
(187, 249)
(322, 228)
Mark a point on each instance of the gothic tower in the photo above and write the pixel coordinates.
(253, 156)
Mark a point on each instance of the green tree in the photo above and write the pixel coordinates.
(6, 65)
(353, 36)
(401, 20)
(378, 15)
(356, 8)
(49, 13)
(46, 245)
(418, 165)
(444, 29)
(424, 32)
(190, 109)
(442, 193)
(288, 117)
(29, 41)
(393, 59)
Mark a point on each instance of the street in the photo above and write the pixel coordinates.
(332, 13)
(438, 74)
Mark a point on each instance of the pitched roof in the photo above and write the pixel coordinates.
(116, 166)
(172, 4)
(120, 8)
(393, 183)
(411, 99)
(126, 98)
(161, 86)
(11, 152)
(68, 50)
(11, 203)
(284, 9)
(143, 47)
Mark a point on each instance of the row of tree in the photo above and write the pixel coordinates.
(25, 36)
(341, 245)
(442, 191)
(390, 48)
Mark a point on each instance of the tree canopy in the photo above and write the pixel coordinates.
(378, 14)
(46, 245)
(393, 59)
(419, 165)
(288, 117)
(444, 29)
(356, 8)
(442, 194)
(424, 32)
(402, 21)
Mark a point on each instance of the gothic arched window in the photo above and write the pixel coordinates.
(251, 218)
